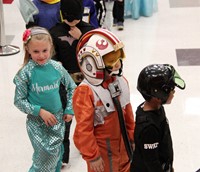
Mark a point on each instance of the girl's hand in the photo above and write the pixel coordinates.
(49, 118)
(67, 117)
(97, 165)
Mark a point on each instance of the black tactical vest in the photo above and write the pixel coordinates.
(158, 119)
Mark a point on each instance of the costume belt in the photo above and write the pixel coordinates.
(77, 77)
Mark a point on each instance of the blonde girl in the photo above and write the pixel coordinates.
(37, 95)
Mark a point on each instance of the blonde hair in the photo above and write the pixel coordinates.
(32, 34)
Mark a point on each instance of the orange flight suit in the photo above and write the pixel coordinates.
(104, 139)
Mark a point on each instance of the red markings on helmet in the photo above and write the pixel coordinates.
(99, 74)
(102, 44)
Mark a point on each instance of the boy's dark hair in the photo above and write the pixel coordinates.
(71, 9)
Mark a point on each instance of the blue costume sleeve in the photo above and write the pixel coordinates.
(21, 94)
(93, 16)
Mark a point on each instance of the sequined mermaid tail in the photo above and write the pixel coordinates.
(47, 144)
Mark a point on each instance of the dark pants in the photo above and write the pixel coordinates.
(118, 11)
(66, 142)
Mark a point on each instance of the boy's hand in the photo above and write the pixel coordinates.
(133, 146)
(67, 117)
(75, 32)
(97, 165)
(49, 118)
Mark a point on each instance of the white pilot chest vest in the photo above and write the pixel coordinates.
(104, 95)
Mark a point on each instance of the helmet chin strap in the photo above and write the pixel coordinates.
(116, 72)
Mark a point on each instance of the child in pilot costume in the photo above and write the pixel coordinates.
(98, 133)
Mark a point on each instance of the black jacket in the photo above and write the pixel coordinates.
(153, 143)
(65, 45)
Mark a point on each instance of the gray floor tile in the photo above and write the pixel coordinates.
(188, 57)
(184, 3)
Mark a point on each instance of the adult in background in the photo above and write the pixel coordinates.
(136, 8)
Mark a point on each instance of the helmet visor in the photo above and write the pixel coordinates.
(112, 58)
(178, 81)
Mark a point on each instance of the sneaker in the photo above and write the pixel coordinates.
(114, 22)
(120, 26)
(66, 165)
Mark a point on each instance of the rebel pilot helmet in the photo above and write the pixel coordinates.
(157, 80)
(93, 57)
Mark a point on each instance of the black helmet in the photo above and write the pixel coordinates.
(157, 80)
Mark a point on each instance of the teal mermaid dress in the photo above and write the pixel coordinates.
(37, 86)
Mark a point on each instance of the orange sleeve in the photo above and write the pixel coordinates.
(84, 138)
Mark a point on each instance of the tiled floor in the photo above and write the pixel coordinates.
(184, 3)
(188, 57)
(170, 36)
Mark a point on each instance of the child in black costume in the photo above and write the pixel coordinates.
(153, 142)
(65, 37)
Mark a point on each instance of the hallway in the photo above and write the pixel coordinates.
(171, 35)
